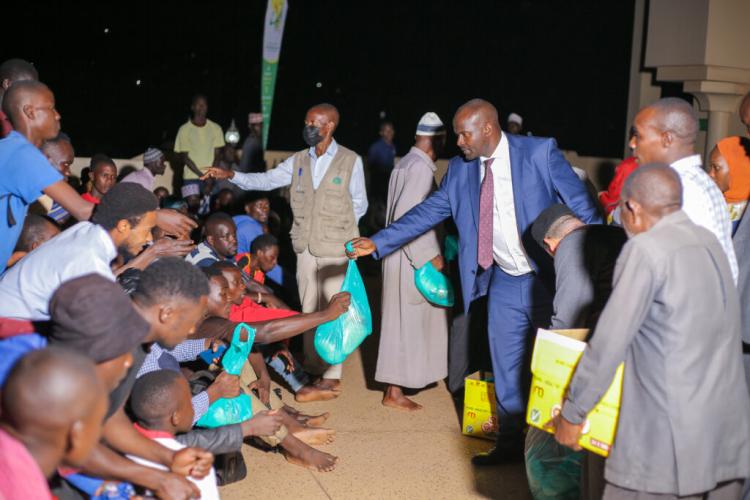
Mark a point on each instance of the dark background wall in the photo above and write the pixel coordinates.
(562, 65)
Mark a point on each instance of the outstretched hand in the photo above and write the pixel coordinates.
(217, 173)
(339, 304)
(362, 247)
(174, 223)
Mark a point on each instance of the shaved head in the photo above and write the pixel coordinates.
(478, 129)
(49, 388)
(656, 187)
(676, 116)
(484, 110)
(329, 110)
(30, 105)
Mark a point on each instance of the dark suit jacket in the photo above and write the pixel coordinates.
(584, 265)
(541, 177)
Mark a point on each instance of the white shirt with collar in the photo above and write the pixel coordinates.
(704, 203)
(27, 287)
(282, 176)
(507, 248)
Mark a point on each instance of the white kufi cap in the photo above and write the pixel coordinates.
(430, 124)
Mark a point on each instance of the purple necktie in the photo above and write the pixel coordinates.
(486, 205)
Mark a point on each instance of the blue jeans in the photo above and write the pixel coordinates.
(296, 379)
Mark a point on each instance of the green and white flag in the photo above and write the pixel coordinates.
(273, 32)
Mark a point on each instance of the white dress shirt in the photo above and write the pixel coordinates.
(282, 176)
(27, 287)
(703, 202)
(507, 248)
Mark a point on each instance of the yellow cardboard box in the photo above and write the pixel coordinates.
(556, 354)
(480, 412)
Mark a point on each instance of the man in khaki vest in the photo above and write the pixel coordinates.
(328, 198)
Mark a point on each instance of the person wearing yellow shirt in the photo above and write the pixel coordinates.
(199, 141)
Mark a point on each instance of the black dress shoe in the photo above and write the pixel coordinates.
(504, 452)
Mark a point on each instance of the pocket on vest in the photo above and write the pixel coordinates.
(333, 204)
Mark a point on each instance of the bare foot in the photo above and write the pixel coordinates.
(313, 420)
(329, 383)
(314, 393)
(315, 435)
(394, 398)
(304, 419)
(298, 453)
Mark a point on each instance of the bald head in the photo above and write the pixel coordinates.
(655, 187)
(676, 116)
(477, 129)
(481, 109)
(50, 389)
(328, 110)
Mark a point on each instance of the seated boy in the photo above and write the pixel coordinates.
(276, 354)
(52, 409)
(294, 436)
(161, 405)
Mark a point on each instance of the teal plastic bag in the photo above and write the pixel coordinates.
(434, 285)
(337, 339)
(235, 410)
(553, 470)
(450, 251)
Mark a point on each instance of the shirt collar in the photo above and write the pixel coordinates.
(152, 434)
(107, 239)
(333, 147)
(500, 150)
(424, 156)
(688, 161)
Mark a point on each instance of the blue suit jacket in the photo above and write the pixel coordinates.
(541, 177)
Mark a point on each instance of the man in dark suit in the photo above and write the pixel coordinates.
(497, 255)
(585, 256)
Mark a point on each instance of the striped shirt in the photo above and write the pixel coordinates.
(703, 202)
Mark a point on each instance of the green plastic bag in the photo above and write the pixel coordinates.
(553, 470)
(337, 339)
(450, 251)
(434, 285)
(235, 410)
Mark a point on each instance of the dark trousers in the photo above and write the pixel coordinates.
(517, 306)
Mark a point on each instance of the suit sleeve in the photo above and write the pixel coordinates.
(418, 184)
(570, 188)
(618, 325)
(573, 288)
(415, 222)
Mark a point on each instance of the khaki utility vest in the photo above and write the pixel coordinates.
(324, 217)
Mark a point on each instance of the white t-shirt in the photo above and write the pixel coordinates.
(207, 485)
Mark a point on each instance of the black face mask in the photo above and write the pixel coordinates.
(311, 135)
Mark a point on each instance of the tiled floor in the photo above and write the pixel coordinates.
(383, 453)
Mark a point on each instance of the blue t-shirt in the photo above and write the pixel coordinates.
(381, 156)
(13, 349)
(247, 230)
(24, 174)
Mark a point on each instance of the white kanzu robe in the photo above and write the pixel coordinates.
(414, 333)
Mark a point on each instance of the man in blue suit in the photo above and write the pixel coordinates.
(497, 254)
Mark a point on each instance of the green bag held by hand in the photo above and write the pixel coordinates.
(337, 339)
(235, 410)
(434, 285)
